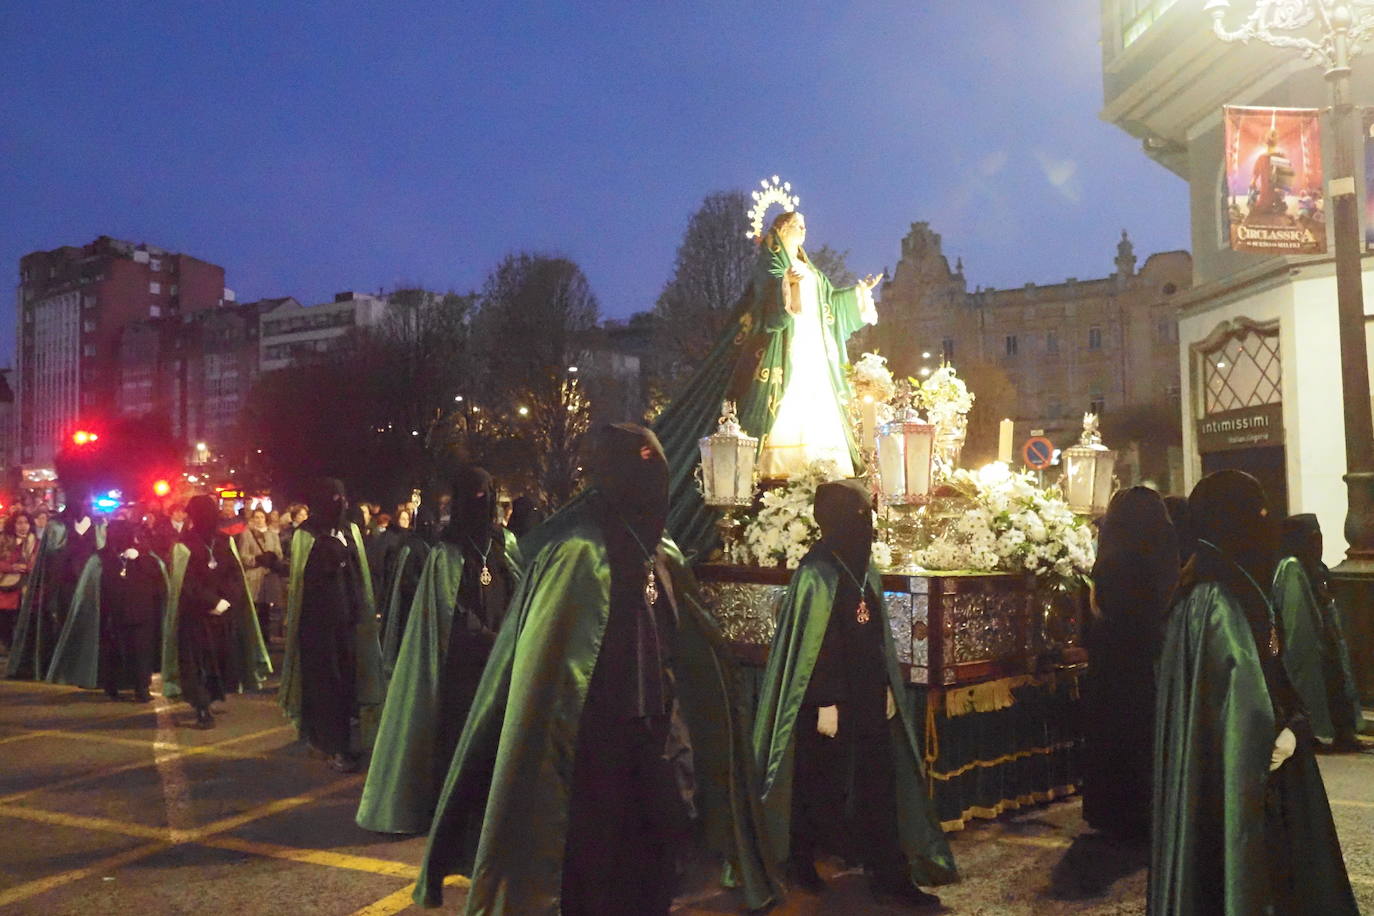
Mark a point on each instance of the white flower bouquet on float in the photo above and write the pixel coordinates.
(785, 527)
(1011, 525)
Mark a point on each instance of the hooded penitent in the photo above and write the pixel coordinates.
(833, 647)
(328, 504)
(1134, 579)
(1183, 527)
(561, 689)
(458, 606)
(1315, 652)
(1229, 836)
(203, 515)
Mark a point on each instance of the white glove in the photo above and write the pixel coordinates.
(220, 607)
(1284, 746)
(891, 704)
(130, 554)
(828, 720)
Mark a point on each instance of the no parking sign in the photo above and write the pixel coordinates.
(1038, 452)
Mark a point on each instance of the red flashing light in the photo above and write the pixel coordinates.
(84, 437)
(161, 487)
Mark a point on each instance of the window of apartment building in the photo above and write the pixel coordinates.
(1098, 404)
(155, 265)
(1011, 344)
(154, 287)
(1094, 338)
(88, 325)
(88, 350)
(154, 311)
(172, 289)
(1052, 343)
(88, 301)
(947, 349)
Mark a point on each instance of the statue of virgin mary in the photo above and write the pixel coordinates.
(781, 359)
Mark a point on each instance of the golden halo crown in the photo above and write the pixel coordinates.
(773, 191)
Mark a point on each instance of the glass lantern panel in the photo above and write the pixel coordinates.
(744, 469)
(1102, 484)
(891, 465)
(918, 449)
(1078, 479)
(708, 482)
(723, 470)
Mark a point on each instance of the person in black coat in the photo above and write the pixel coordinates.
(206, 636)
(1134, 579)
(133, 592)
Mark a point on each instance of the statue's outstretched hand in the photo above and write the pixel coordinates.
(871, 281)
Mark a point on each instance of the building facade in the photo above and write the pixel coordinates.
(73, 304)
(1106, 345)
(292, 332)
(1259, 352)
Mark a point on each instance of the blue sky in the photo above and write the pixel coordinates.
(315, 147)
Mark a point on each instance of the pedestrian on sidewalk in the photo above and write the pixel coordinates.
(1241, 822)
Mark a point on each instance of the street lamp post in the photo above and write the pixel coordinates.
(1340, 27)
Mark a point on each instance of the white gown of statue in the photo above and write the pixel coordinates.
(809, 425)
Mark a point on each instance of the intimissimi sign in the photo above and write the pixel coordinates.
(1251, 427)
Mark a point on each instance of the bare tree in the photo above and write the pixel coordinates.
(714, 264)
(536, 314)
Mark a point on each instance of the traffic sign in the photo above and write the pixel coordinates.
(1038, 452)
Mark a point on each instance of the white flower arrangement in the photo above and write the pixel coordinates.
(870, 378)
(945, 398)
(1012, 526)
(785, 528)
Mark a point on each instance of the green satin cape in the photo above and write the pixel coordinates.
(1315, 653)
(253, 661)
(1214, 731)
(371, 684)
(76, 660)
(394, 630)
(750, 365)
(802, 622)
(28, 649)
(503, 813)
(398, 797)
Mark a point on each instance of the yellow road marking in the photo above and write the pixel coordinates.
(25, 737)
(1351, 803)
(43, 885)
(268, 809)
(397, 901)
(317, 857)
(1366, 880)
(85, 822)
(1043, 842)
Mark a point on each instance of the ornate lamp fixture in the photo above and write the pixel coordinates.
(1088, 468)
(727, 472)
(906, 447)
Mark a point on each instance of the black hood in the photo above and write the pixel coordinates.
(328, 504)
(627, 466)
(203, 515)
(120, 535)
(472, 508)
(1238, 539)
(844, 512)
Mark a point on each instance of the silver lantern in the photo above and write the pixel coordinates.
(1088, 469)
(906, 448)
(727, 472)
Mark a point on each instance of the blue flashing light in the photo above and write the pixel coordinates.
(106, 504)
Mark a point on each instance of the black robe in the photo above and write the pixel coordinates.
(207, 641)
(332, 605)
(133, 594)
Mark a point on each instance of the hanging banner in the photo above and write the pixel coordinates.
(1274, 190)
(1368, 135)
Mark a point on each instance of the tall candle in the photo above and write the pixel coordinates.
(1004, 433)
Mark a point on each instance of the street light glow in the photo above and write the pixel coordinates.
(524, 411)
(925, 355)
(458, 398)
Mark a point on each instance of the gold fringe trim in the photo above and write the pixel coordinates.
(1004, 759)
(991, 696)
(981, 812)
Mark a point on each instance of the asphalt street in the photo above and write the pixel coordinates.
(116, 807)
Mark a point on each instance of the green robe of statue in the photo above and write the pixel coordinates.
(750, 365)
(35, 631)
(1315, 654)
(76, 659)
(371, 683)
(398, 797)
(802, 623)
(503, 813)
(253, 661)
(1214, 732)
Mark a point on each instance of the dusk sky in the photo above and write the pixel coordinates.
(334, 146)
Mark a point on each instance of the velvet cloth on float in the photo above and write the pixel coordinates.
(332, 669)
(749, 364)
(504, 813)
(204, 659)
(802, 625)
(449, 631)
